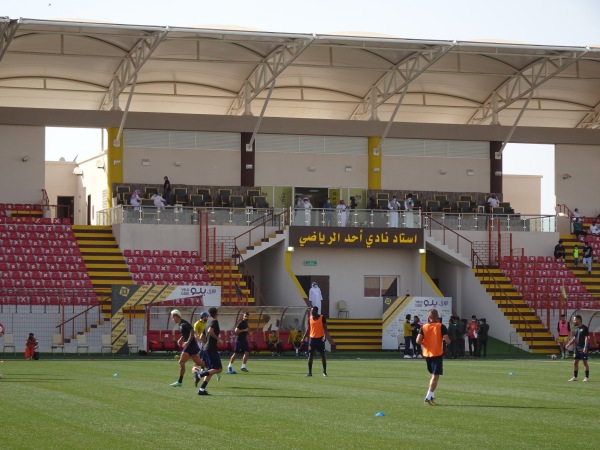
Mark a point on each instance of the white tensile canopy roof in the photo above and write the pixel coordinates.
(95, 66)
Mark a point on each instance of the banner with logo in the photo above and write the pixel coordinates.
(396, 309)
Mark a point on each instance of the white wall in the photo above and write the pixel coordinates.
(60, 181)
(22, 181)
(93, 182)
(423, 174)
(201, 167)
(581, 163)
(524, 192)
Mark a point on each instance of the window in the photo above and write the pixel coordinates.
(381, 286)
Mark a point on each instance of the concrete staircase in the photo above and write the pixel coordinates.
(524, 320)
(355, 334)
(590, 281)
(234, 289)
(104, 261)
(263, 244)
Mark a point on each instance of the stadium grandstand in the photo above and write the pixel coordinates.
(244, 124)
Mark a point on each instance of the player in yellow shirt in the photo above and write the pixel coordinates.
(199, 327)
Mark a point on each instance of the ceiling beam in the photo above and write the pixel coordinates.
(130, 67)
(266, 72)
(521, 84)
(397, 79)
(8, 30)
(591, 119)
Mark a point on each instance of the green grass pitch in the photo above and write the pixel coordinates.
(75, 404)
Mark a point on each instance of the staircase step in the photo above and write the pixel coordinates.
(520, 315)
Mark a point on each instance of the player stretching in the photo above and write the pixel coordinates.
(431, 337)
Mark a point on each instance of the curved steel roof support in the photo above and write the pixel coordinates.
(591, 119)
(514, 127)
(7, 34)
(130, 67)
(399, 77)
(521, 84)
(265, 73)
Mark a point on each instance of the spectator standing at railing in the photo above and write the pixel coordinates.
(588, 256)
(394, 207)
(307, 205)
(409, 204)
(167, 191)
(328, 207)
(342, 213)
(576, 213)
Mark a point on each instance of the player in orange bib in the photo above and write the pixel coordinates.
(317, 328)
(432, 337)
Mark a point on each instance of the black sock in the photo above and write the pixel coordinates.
(203, 385)
(587, 373)
(575, 372)
(310, 367)
(181, 378)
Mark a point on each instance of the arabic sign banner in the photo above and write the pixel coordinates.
(356, 237)
(396, 309)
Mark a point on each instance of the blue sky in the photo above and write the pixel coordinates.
(547, 22)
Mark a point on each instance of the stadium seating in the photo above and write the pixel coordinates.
(40, 253)
(176, 267)
(541, 279)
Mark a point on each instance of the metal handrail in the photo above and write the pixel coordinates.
(263, 224)
(478, 263)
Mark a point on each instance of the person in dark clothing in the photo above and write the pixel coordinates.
(416, 326)
(188, 343)
(167, 191)
(581, 336)
(212, 358)
(482, 338)
(559, 251)
(454, 335)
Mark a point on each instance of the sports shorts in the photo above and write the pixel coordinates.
(435, 365)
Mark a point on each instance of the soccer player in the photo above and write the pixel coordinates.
(212, 358)
(188, 342)
(317, 327)
(580, 337)
(199, 327)
(432, 336)
(241, 344)
(564, 330)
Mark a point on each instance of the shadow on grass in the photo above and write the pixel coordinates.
(500, 406)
